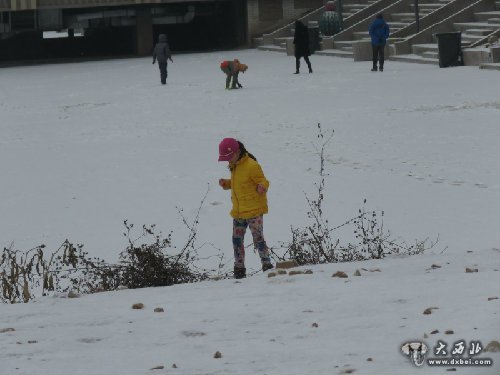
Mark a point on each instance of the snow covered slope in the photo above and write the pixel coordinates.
(85, 146)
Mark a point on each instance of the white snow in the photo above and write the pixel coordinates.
(86, 145)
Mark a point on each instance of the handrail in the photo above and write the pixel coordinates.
(285, 30)
(382, 6)
(404, 46)
(485, 39)
(428, 20)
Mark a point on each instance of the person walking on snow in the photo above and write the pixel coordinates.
(248, 194)
(232, 69)
(379, 32)
(162, 53)
(301, 41)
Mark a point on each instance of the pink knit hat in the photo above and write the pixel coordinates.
(227, 148)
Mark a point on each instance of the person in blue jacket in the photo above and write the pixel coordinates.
(379, 32)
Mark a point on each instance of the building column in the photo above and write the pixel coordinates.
(240, 15)
(144, 32)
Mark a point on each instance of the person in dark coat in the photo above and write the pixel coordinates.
(379, 32)
(162, 53)
(301, 41)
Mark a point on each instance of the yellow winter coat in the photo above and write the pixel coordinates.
(246, 174)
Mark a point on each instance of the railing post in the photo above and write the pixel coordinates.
(417, 17)
(339, 11)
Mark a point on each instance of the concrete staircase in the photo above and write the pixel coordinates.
(490, 66)
(279, 43)
(399, 19)
(479, 25)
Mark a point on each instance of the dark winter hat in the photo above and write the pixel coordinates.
(162, 38)
(380, 15)
(227, 148)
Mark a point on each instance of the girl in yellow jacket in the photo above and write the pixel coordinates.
(248, 194)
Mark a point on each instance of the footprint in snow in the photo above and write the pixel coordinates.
(438, 180)
(89, 340)
(215, 203)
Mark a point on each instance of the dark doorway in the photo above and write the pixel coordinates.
(215, 25)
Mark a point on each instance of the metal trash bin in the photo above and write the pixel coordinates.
(450, 49)
(313, 39)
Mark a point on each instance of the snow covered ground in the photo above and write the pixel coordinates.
(85, 146)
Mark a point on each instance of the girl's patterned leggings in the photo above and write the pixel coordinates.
(239, 230)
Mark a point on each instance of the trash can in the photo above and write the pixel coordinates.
(313, 38)
(450, 49)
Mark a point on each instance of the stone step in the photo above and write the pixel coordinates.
(346, 48)
(432, 6)
(342, 43)
(414, 59)
(485, 16)
(361, 35)
(257, 41)
(463, 26)
(481, 32)
(494, 21)
(398, 17)
(397, 25)
(419, 49)
(283, 38)
(468, 38)
(423, 11)
(490, 66)
(497, 5)
(392, 40)
(351, 7)
(408, 20)
(271, 48)
(280, 41)
(335, 52)
(430, 55)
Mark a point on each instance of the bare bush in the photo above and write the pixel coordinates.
(316, 243)
(150, 259)
(27, 273)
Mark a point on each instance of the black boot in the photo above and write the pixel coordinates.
(374, 69)
(267, 266)
(309, 66)
(240, 272)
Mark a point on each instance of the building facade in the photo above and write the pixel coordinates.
(98, 27)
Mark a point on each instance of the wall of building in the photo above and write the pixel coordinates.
(267, 15)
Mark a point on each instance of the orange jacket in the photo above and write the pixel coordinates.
(246, 174)
(234, 66)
